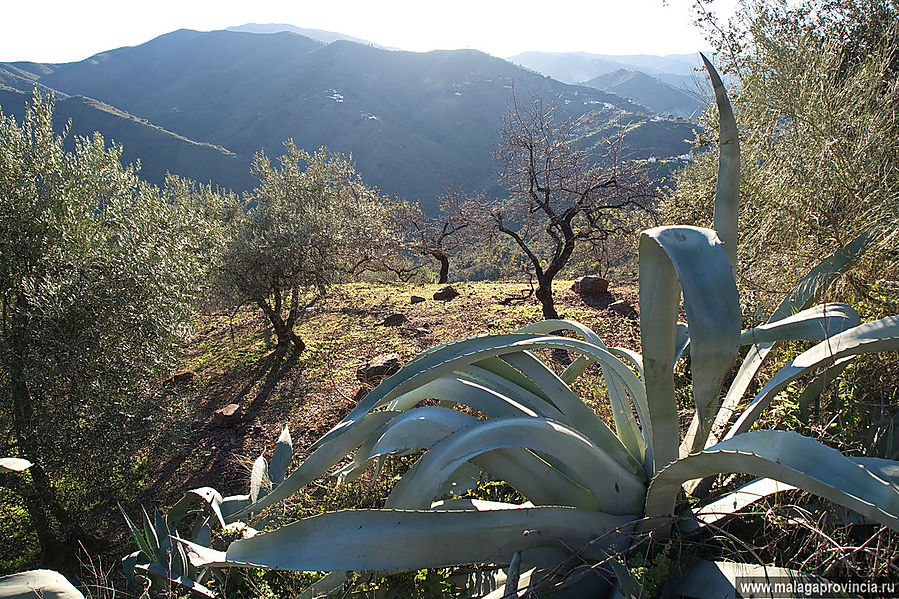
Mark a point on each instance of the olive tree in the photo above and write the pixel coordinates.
(309, 224)
(561, 196)
(817, 102)
(95, 288)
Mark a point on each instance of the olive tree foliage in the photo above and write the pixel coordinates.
(309, 224)
(96, 282)
(561, 196)
(818, 104)
(215, 215)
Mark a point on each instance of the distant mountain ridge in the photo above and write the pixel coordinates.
(414, 122)
(649, 91)
(321, 35)
(575, 67)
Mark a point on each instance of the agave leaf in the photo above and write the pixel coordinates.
(233, 504)
(879, 335)
(47, 584)
(500, 367)
(787, 457)
(818, 322)
(732, 503)
(181, 581)
(510, 589)
(659, 294)
(719, 579)
(319, 462)
(537, 404)
(629, 355)
(727, 192)
(15, 464)
(815, 388)
(258, 479)
(150, 534)
(681, 340)
(448, 357)
(210, 496)
(139, 537)
(407, 540)
(622, 414)
(618, 490)
(619, 379)
(551, 326)
(281, 457)
(460, 388)
(161, 529)
(575, 369)
(480, 505)
(203, 536)
(694, 258)
(807, 291)
(535, 477)
(812, 286)
(415, 429)
(419, 429)
(128, 563)
(580, 417)
(812, 324)
(460, 355)
(325, 586)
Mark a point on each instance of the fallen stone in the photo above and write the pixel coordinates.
(623, 308)
(447, 293)
(378, 368)
(228, 416)
(590, 284)
(394, 319)
(416, 299)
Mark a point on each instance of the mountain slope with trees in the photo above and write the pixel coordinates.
(158, 150)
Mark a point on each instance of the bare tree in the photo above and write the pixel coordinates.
(437, 237)
(560, 195)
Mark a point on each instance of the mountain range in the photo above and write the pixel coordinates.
(200, 104)
(665, 84)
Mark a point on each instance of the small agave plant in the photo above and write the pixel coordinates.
(589, 486)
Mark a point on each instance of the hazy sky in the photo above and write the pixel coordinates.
(70, 30)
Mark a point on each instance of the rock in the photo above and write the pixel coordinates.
(378, 368)
(181, 378)
(447, 293)
(416, 299)
(228, 416)
(623, 308)
(590, 284)
(421, 331)
(395, 319)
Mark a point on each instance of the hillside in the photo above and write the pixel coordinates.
(158, 150)
(414, 122)
(649, 91)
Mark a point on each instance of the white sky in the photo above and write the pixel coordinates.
(70, 30)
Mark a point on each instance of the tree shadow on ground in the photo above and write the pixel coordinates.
(216, 457)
